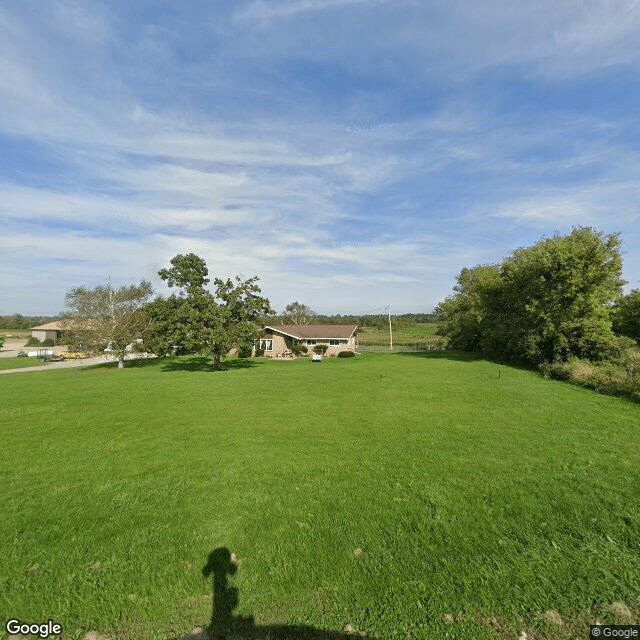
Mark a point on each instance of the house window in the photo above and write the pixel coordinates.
(311, 343)
(266, 345)
(334, 343)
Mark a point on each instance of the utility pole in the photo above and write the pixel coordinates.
(390, 333)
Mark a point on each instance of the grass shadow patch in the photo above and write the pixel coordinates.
(469, 356)
(441, 354)
(205, 364)
(225, 624)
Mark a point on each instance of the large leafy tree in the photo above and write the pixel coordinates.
(544, 303)
(198, 321)
(558, 295)
(107, 316)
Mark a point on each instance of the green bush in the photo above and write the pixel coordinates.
(244, 352)
(299, 350)
(346, 354)
(321, 349)
(618, 377)
(47, 343)
(259, 352)
(33, 342)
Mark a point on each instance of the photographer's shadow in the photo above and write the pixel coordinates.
(226, 626)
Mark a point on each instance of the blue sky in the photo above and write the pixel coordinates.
(352, 153)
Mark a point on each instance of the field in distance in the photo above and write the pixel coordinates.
(411, 495)
(420, 334)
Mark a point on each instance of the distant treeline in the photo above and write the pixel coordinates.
(17, 321)
(380, 321)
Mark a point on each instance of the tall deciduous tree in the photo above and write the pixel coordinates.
(298, 313)
(544, 303)
(198, 321)
(107, 316)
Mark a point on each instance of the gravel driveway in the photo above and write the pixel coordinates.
(12, 346)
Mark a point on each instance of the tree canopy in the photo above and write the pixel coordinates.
(188, 272)
(298, 313)
(544, 303)
(107, 316)
(626, 315)
(198, 321)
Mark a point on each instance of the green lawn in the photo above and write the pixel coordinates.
(387, 491)
(19, 363)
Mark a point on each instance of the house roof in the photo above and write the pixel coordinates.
(62, 325)
(316, 331)
(56, 325)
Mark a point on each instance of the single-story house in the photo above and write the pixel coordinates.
(49, 331)
(280, 339)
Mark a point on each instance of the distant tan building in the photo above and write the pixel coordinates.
(53, 330)
(49, 331)
(280, 339)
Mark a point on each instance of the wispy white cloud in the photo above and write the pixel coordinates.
(156, 146)
(610, 204)
(263, 11)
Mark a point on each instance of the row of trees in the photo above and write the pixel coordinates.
(194, 320)
(20, 322)
(547, 303)
(298, 313)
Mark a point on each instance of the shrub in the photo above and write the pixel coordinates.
(47, 343)
(346, 354)
(321, 349)
(33, 342)
(244, 352)
(259, 352)
(619, 376)
(299, 349)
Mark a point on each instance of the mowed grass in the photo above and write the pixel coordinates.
(19, 363)
(408, 496)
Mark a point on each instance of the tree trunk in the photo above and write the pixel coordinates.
(121, 362)
(216, 362)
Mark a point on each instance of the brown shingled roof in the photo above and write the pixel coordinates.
(316, 331)
(60, 325)
(56, 325)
